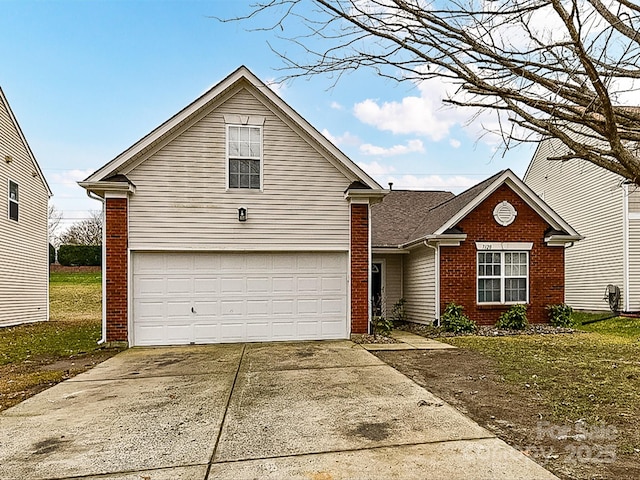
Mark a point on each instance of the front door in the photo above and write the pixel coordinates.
(376, 288)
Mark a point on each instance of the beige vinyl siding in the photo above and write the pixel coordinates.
(590, 199)
(420, 285)
(634, 200)
(181, 201)
(634, 265)
(392, 279)
(24, 250)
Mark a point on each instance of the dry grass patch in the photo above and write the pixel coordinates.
(36, 356)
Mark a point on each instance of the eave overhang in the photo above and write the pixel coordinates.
(562, 240)
(102, 188)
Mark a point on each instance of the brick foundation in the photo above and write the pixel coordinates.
(458, 264)
(359, 268)
(116, 237)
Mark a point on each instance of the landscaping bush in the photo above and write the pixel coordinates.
(514, 319)
(454, 320)
(381, 325)
(80, 255)
(560, 315)
(398, 313)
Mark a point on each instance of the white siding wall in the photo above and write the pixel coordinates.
(24, 266)
(591, 200)
(634, 264)
(420, 285)
(181, 202)
(392, 278)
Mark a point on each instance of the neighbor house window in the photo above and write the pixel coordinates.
(244, 146)
(13, 200)
(503, 277)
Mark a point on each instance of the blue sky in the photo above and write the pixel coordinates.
(86, 80)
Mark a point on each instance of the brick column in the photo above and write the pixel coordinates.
(359, 268)
(116, 243)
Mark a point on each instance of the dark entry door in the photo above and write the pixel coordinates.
(376, 288)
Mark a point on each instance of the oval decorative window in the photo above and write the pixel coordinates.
(504, 213)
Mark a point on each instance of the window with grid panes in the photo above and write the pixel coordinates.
(503, 277)
(244, 145)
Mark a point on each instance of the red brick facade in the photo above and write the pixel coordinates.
(458, 281)
(359, 268)
(116, 236)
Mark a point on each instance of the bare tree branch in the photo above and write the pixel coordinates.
(554, 68)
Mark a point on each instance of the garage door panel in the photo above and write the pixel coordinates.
(258, 308)
(333, 284)
(283, 285)
(230, 297)
(232, 285)
(206, 285)
(258, 285)
(179, 285)
(208, 308)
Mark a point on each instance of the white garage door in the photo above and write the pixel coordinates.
(181, 298)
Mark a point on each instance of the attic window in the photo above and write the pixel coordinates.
(244, 151)
(13, 200)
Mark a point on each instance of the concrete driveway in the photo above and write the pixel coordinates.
(313, 410)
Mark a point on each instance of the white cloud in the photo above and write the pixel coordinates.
(412, 146)
(376, 169)
(422, 115)
(345, 139)
(336, 106)
(69, 178)
(455, 143)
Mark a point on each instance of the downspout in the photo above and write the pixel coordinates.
(103, 338)
(436, 249)
(625, 247)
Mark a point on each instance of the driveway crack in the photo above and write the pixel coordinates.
(226, 409)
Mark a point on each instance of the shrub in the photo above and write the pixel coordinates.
(80, 255)
(398, 313)
(52, 254)
(560, 315)
(381, 325)
(454, 320)
(514, 319)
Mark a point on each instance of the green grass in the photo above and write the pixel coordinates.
(75, 296)
(607, 324)
(74, 328)
(593, 376)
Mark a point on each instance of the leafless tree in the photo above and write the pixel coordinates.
(55, 217)
(548, 68)
(84, 232)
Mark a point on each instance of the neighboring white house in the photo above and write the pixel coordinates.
(233, 221)
(606, 211)
(24, 252)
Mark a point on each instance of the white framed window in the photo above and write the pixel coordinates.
(13, 200)
(503, 277)
(244, 156)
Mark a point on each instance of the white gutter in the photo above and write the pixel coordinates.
(436, 249)
(625, 247)
(103, 338)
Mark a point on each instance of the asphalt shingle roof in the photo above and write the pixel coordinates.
(395, 218)
(405, 215)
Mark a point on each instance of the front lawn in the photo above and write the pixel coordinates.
(36, 356)
(571, 401)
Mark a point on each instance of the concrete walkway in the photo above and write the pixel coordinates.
(408, 341)
(312, 410)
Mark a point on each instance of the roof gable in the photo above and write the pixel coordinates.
(442, 218)
(5, 103)
(242, 77)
